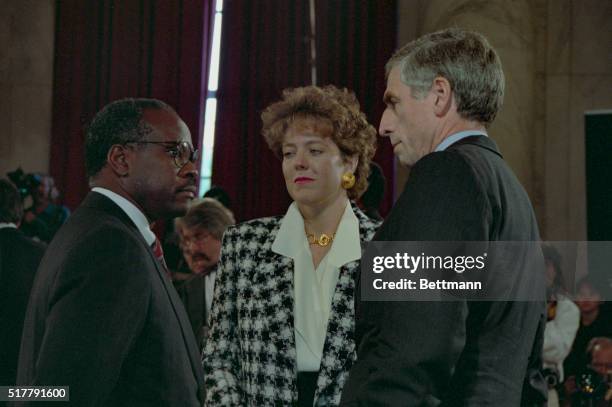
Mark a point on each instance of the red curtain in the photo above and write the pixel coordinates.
(354, 41)
(110, 49)
(265, 48)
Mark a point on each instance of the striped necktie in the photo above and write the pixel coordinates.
(159, 254)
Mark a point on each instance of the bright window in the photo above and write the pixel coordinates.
(208, 141)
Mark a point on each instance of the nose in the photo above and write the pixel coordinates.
(301, 161)
(189, 170)
(189, 245)
(384, 129)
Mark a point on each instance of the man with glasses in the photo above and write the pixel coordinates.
(104, 318)
(200, 232)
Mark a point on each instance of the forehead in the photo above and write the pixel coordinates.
(398, 89)
(190, 231)
(308, 130)
(394, 82)
(166, 125)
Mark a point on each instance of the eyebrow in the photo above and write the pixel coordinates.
(308, 143)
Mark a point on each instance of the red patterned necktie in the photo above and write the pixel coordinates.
(159, 254)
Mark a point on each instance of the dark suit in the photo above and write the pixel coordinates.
(105, 320)
(192, 292)
(454, 353)
(19, 259)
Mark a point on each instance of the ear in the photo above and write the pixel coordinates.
(118, 161)
(443, 95)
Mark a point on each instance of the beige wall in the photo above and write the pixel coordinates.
(557, 57)
(26, 77)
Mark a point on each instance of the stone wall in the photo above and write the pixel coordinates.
(557, 57)
(26, 82)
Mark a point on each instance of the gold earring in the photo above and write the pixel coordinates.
(348, 180)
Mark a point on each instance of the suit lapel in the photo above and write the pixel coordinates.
(339, 342)
(279, 286)
(339, 347)
(181, 315)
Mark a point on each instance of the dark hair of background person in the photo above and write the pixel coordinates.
(552, 256)
(119, 122)
(11, 206)
(375, 193)
(220, 194)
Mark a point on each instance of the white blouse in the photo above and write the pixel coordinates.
(314, 289)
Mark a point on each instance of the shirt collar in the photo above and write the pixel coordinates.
(291, 239)
(288, 241)
(7, 225)
(453, 138)
(135, 214)
(346, 246)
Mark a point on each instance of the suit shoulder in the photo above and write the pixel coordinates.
(16, 238)
(449, 168)
(91, 223)
(97, 240)
(443, 161)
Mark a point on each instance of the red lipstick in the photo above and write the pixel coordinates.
(302, 180)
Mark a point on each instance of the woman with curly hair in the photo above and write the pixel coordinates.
(282, 324)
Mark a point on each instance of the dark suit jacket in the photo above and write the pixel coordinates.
(192, 293)
(105, 320)
(454, 353)
(19, 259)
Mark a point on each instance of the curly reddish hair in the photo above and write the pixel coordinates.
(351, 131)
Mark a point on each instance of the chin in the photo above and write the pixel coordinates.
(307, 199)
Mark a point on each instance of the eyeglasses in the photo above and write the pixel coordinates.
(180, 151)
(195, 238)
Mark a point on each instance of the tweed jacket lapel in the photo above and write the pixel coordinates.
(278, 273)
(339, 350)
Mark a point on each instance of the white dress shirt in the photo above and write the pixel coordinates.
(209, 290)
(559, 334)
(453, 138)
(314, 289)
(135, 214)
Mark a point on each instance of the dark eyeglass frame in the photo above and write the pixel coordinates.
(176, 158)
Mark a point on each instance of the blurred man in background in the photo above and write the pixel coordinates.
(200, 232)
(19, 259)
(44, 218)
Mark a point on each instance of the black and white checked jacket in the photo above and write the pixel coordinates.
(250, 354)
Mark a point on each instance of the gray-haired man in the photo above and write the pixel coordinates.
(443, 90)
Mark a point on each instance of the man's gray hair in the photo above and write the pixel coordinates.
(465, 59)
(207, 214)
